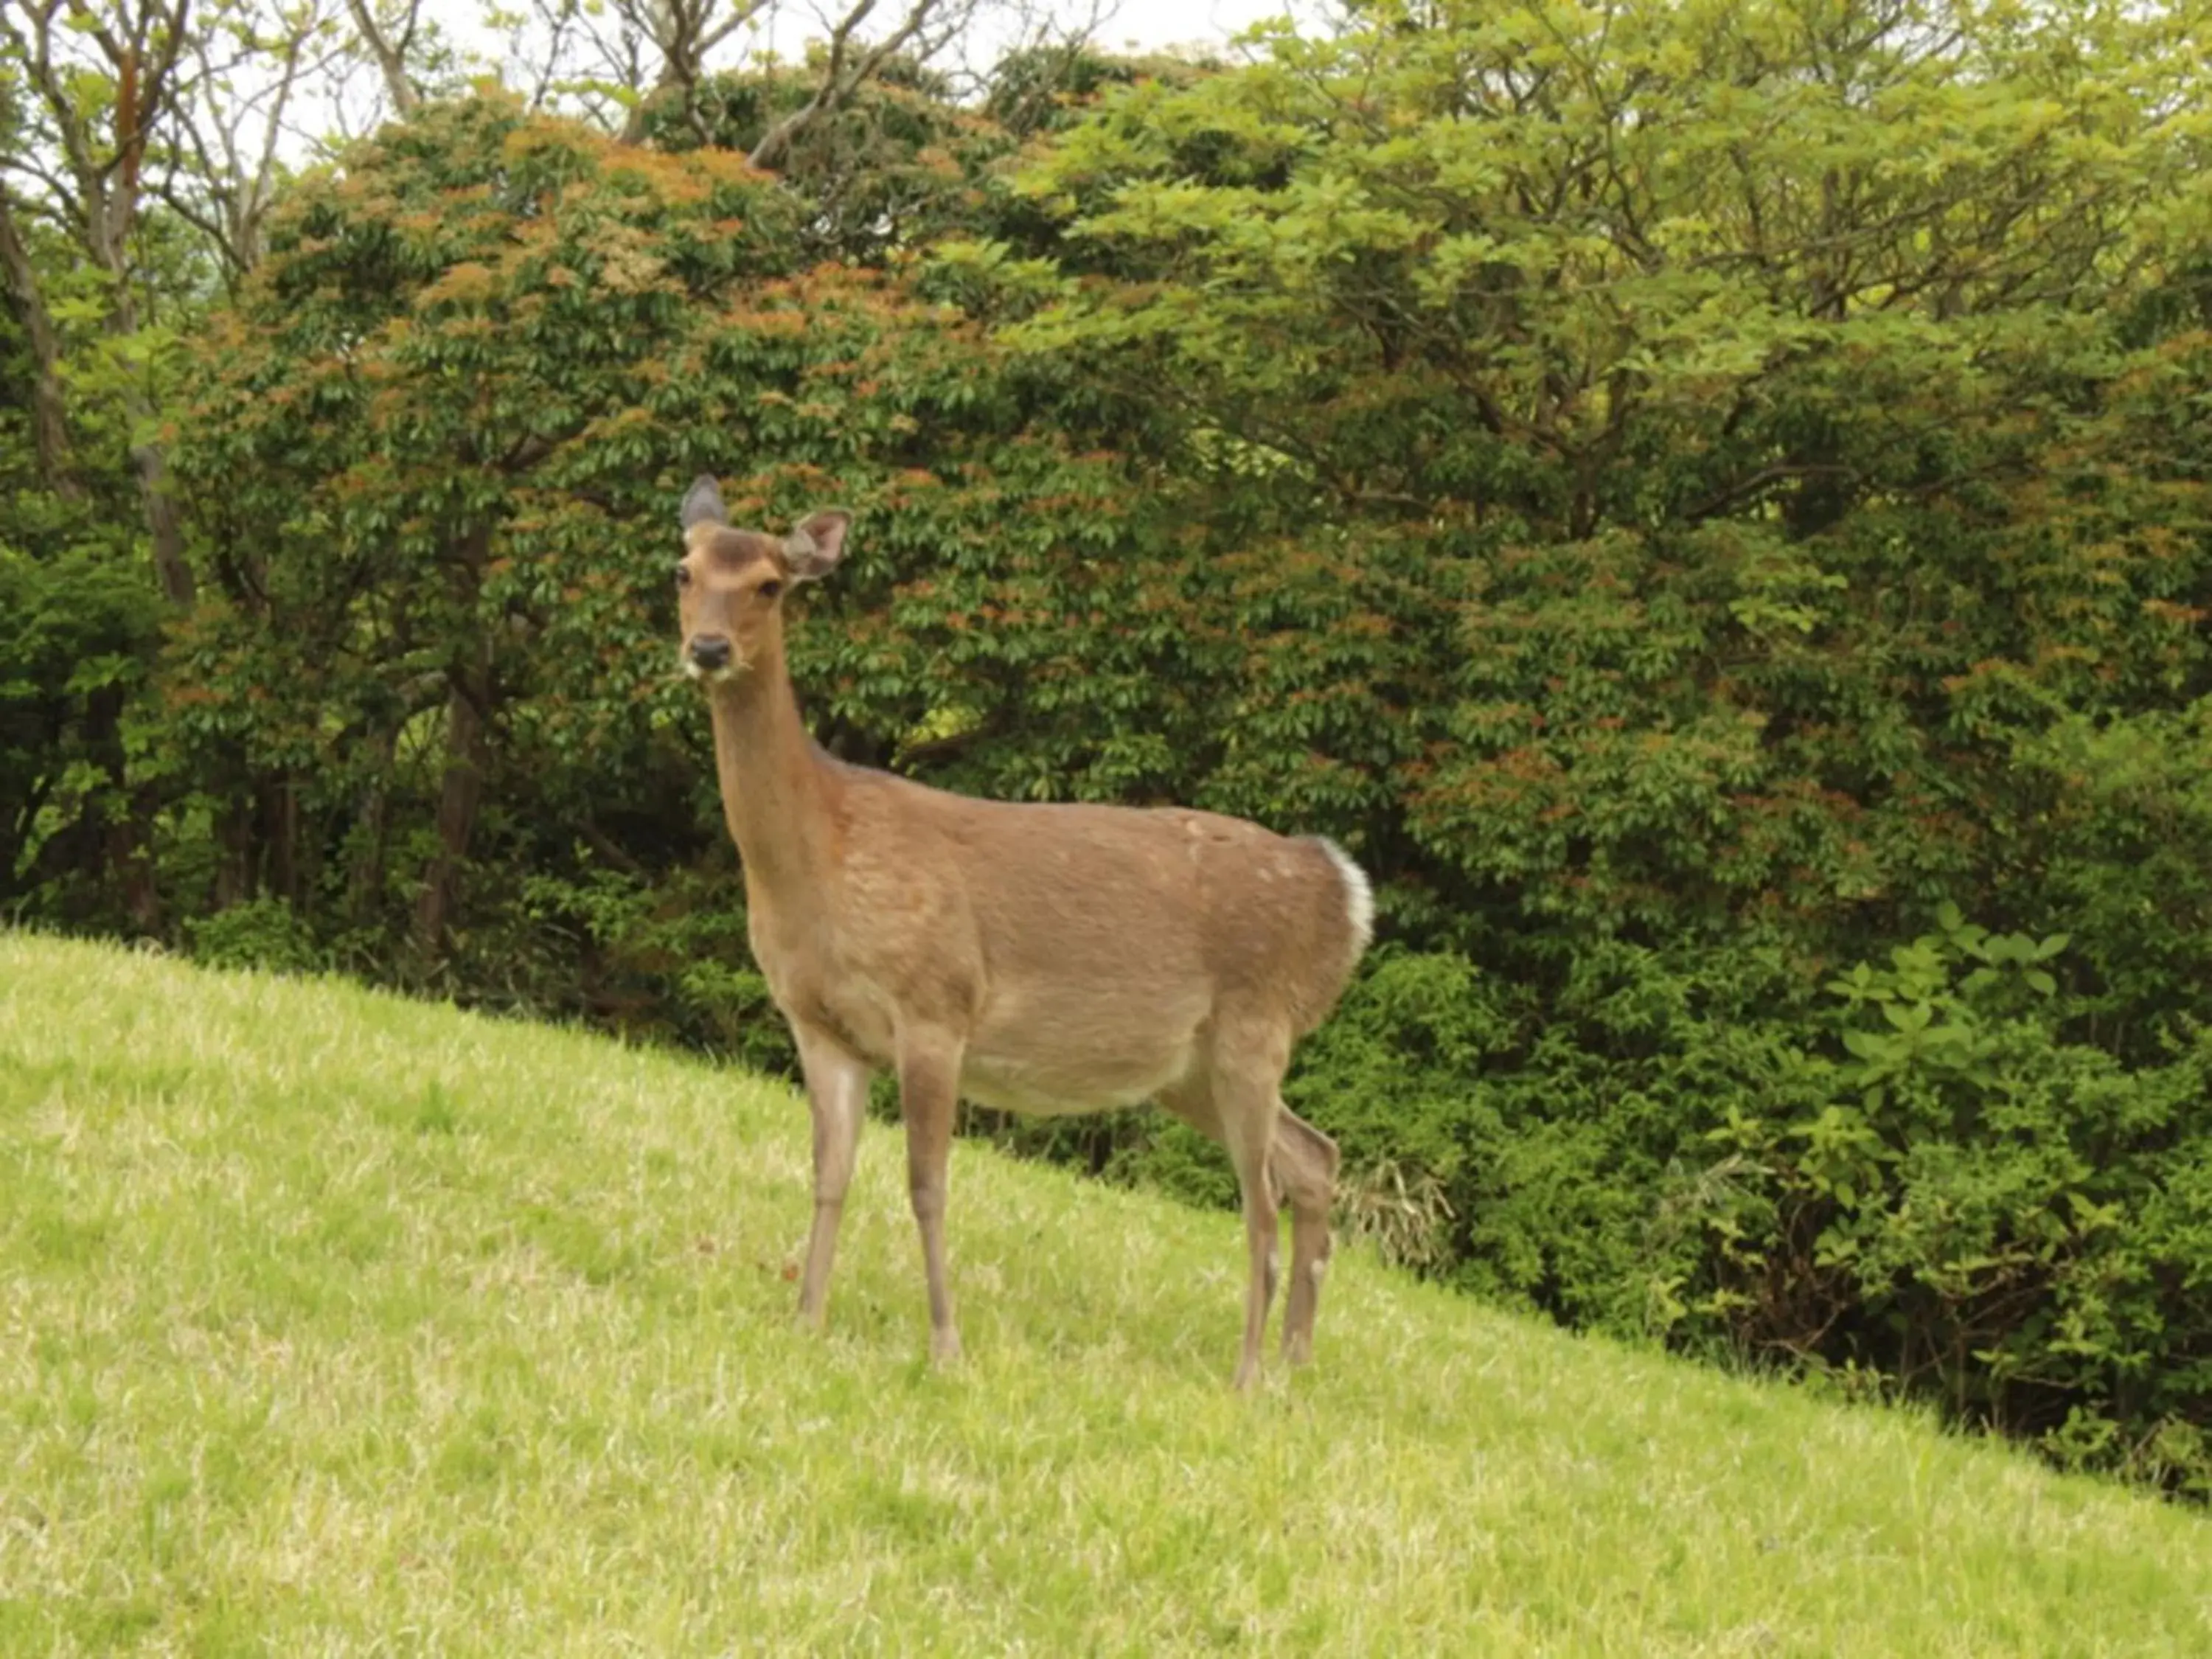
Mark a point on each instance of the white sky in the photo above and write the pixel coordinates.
(1135, 25)
(1174, 22)
(1143, 23)
(319, 114)
(788, 24)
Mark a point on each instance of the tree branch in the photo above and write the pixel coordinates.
(840, 80)
(1736, 494)
(390, 55)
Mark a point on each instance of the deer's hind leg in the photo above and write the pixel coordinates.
(929, 1094)
(1305, 1169)
(1237, 1104)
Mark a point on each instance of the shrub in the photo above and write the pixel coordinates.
(1907, 1170)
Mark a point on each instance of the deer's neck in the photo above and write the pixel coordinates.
(775, 790)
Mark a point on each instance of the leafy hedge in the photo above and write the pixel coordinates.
(1910, 1179)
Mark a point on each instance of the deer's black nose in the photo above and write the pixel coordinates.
(711, 651)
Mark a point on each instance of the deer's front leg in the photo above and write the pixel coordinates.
(837, 1095)
(929, 1093)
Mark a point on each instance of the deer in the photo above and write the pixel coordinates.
(1043, 958)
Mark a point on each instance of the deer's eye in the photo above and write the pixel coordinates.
(769, 590)
(683, 575)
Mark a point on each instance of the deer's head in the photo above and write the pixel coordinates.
(730, 583)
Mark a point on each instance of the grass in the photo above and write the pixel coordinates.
(332, 1324)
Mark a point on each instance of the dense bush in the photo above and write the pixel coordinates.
(1915, 1179)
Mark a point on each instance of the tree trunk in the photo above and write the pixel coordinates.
(49, 412)
(459, 795)
(234, 836)
(365, 882)
(127, 854)
(149, 460)
(391, 57)
(669, 82)
(164, 524)
(280, 819)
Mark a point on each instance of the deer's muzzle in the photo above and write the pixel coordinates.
(708, 654)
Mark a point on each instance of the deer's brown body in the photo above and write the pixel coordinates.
(1046, 959)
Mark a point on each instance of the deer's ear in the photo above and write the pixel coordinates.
(815, 545)
(702, 503)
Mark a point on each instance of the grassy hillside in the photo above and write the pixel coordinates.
(333, 1323)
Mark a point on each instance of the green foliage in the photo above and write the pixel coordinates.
(433, 450)
(257, 933)
(1969, 1200)
(890, 169)
(1909, 1172)
(74, 630)
(77, 628)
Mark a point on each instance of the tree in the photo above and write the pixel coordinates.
(849, 62)
(48, 403)
(243, 70)
(640, 64)
(1688, 512)
(99, 84)
(76, 611)
(1636, 325)
(431, 451)
(388, 33)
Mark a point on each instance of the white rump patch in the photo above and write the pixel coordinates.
(1359, 895)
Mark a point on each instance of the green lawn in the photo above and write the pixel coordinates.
(333, 1323)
